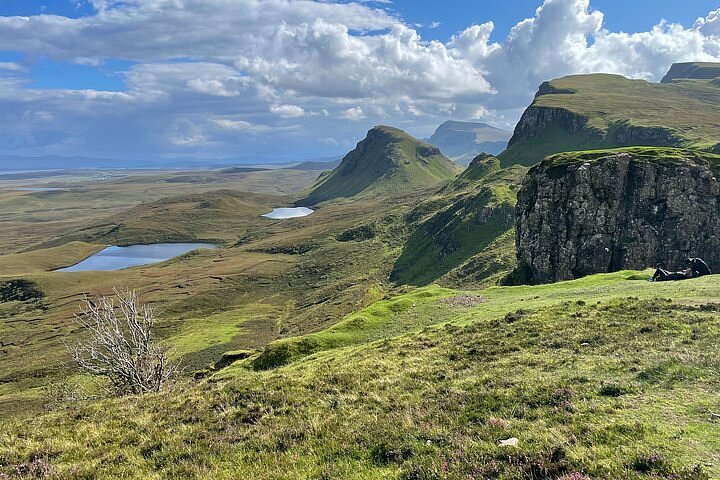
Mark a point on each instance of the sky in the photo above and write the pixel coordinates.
(285, 80)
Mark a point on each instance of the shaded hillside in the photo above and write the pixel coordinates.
(320, 165)
(581, 213)
(472, 216)
(584, 112)
(387, 160)
(692, 70)
(462, 141)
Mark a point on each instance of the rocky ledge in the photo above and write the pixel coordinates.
(584, 213)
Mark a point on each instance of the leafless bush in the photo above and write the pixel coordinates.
(121, 346)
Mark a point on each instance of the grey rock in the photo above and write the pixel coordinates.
(613, 213)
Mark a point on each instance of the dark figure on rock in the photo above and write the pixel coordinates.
(694, 267)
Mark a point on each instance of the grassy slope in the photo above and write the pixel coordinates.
(220, 216)
(588, 379)
(387, 161)
(462, 224)
(46, 259)
(687, 108)
(31, 218)
(278, 278)
(652, 154)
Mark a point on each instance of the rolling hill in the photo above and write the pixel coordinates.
(387, 160)
(462, 141)
(585, 112)
(463, 234)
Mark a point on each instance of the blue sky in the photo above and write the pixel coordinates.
(620, 15)
(279, 80)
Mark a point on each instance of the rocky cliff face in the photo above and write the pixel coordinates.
(577, 216)
(692, 70)
(536, 120)
(601, 111)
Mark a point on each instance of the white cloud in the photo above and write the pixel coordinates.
(12, 66)
(226, 76)
(709, 25)
(287, 111)
(354, 113)
(242, 126)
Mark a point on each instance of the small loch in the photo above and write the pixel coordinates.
(294, 212)
(117, 258)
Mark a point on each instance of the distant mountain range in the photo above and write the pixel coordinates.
(388, 159)
(463, 141)
(13, 163)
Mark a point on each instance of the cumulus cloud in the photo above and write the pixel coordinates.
(287, 111)
(328, 67)
(354, 113)
(709, 25)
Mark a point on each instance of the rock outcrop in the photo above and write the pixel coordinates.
(601, 111)
(692, 71)
(579, 214)
(536, 120)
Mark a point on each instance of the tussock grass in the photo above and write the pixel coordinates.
(591, 382)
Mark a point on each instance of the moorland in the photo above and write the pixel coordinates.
(382, 336)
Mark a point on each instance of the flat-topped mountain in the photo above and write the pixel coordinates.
(387, 160)
(583, 112)
(462, 141)
(692, 70)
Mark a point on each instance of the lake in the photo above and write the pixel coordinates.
(117, 258)
(294, 212)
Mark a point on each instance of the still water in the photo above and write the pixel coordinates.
(116, 258)
(295, 212)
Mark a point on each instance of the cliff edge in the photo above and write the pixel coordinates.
(582, 213)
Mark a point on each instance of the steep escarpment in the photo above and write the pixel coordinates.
(603, 211)
(692, 70)
(387, 160)
(583, 112)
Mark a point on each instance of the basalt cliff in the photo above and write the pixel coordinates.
(604, 211)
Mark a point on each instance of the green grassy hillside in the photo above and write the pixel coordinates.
(221, 216)
(592, 384)
(273, 279)
(469, 220)
(388, 160)
(651, 154)
(584, 112)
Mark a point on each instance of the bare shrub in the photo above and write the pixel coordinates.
(121, 346)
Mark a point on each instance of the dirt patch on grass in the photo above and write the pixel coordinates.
(464, 300)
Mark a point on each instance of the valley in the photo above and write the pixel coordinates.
(393, 315)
